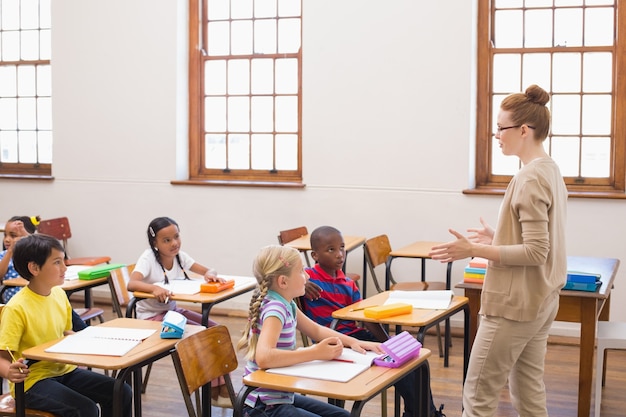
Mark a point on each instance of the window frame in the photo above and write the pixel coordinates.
(485, 181)
(198, 174)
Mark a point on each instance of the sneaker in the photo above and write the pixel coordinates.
(439, 413)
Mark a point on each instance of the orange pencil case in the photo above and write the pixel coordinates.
(217, 286)
(389, 310)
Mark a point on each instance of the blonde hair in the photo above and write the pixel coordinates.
(270, 263)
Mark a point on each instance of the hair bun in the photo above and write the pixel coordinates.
(537, 95)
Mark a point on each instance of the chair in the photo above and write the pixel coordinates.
(610, 335)
(88, 314)
(377, 250)
(289, 235)
(122, 299)
(60, 229)
(201, 358)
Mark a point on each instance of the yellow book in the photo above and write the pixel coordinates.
(388, 310)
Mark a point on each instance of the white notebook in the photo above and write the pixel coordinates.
(100, 340)
(430, 300)
(343, 369)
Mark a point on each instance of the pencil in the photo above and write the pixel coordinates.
(360, 308)
(343, 360)
(14, 360)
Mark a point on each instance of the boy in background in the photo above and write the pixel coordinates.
(41, 312)
(328, 289)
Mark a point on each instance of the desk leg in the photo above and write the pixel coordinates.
(473, 296)
(206, 309)
(587, 344)
(20, 401)
(422, 380)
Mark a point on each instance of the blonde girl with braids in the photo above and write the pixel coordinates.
(270, 336)
(161, 263)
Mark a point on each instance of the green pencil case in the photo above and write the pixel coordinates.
(99, 271)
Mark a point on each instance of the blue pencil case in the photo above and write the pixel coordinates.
(173, 326)
(399, 349)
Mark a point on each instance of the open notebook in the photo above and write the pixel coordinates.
(100, 340)
(431, 300)
(342, 369)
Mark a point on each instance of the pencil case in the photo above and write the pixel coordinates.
(399, 349)
(217, 286)
(388, 310)
(173, 325)
(99, 271)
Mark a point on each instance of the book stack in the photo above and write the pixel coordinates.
(475, 271)
(582, 281)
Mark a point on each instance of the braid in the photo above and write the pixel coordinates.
(181, 266)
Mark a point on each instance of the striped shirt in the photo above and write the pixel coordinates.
(274, 305)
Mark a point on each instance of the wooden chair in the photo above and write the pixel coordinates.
(286, 236)
(201, 358)
(377, 250)
(60, 229)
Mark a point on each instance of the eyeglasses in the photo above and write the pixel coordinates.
(499, 129)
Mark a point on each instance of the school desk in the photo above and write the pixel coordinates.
(423, 319)
(207, 300)
(359, 389)
(69, 286)
(150, 350)
(416, 250)
(581, 307)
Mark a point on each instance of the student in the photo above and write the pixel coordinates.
(270, 336)
(163, 262)
(328, 290)
(37, 314)
(527, 266)
(16, 228)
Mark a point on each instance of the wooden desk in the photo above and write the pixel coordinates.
(418, 250)
(581, 307)
(208, 300)
(148, 351)
(420, 318)
(69, 286)
(359, 389)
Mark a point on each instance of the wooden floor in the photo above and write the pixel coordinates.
(163, 399)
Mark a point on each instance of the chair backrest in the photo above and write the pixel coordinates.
(118, 282)
(286, 236)
(58, 228)
(201, 358)
(377, 250)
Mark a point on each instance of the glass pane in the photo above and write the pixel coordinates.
(566, 152)
(238, 151)
(27, 146)
(44, 113)
(262, 117)
(10, 46)
(565, 114)
(238, 114)
(538, 28)
(508, 29)
(287, 76)
(218, 9)
(566, 77)
(506, 73)
(241, 9)
(29, 16)
(538, 3)
(239, 76)
(8, 114)
(215, 151)
(289, 8)
(502, 164)
(264, 8)
(599, 2)
(27, 113)
(568, 27)
(44, 81)
(286, 152)
(241, 37)
(596, 115)
(561, 3)
(265, 36)
(30, 45)
(215, 114)
(44, 44)
(10, 14)
(596, 160)
(599, 27)
(8, 146)
(215, 77)
(26, 80)
(262, 152)
(44, 139)
(262, 76)
(218, 38)
(8, 77)
(503, 4)
(44, 14)
(597, 72)
(496, 101)
(286, 114)
(536, 70)
(289, 36)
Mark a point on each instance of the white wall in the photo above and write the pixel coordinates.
(388, 130)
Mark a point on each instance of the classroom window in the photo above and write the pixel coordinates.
(575, 50)
(245, 91)
(25, 89)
